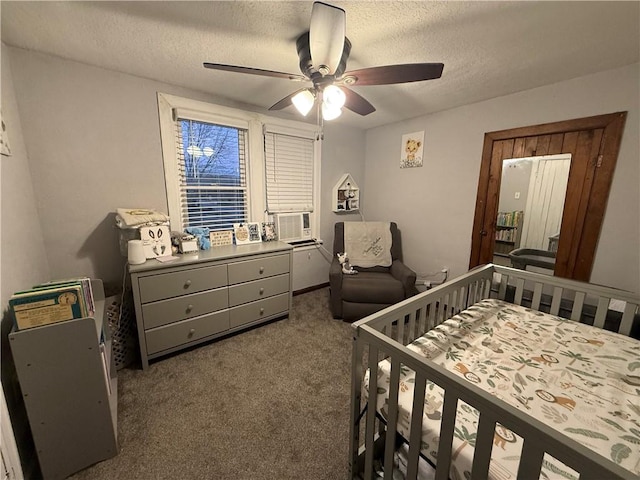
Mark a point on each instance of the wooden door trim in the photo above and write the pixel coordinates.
(546, 138)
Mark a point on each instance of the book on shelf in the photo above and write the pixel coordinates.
(52, 302)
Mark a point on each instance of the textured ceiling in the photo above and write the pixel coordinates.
(489, 48)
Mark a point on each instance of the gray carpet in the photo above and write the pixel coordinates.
(268, 403)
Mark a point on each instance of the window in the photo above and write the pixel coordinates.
(225, 166)
(289, 172)
(212, 174)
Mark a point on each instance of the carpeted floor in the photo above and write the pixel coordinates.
(268, 403)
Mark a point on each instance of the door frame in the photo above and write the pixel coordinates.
(594, 144)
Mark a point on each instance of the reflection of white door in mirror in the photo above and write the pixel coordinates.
(532, 195)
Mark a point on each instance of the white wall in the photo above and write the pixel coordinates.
(434, 205)
(94, 143)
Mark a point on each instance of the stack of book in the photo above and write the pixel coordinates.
(52, 302)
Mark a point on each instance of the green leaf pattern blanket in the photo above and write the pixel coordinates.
(580, 380)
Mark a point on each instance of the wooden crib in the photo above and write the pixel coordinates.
(384, 338)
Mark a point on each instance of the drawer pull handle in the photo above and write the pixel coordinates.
(261, 291)
(191, 332)
(262, 311)
(189, 308)
(187, 284)
(261, 269)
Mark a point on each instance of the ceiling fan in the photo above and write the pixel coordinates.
(323, 52)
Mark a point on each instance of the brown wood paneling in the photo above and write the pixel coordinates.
(587, 151)
(587, 190)
(542, 147)
(555, 144)
(478, 219)
(610, 146)
(518, 148)
(578, 124)
(571, 204)
(491, 206)
(530, 145)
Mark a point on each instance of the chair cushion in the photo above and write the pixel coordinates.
(372, 287)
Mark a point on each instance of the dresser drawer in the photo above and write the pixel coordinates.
(250, 291)
(167, 285)
(175, 309)
(175, 334)
(253, 311)
(259, 268)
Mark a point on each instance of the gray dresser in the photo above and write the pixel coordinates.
(208, 294)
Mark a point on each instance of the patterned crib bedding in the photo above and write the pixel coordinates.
(582, 381)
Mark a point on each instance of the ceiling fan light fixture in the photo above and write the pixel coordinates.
(330, 112)
(303, 101)
(334, 96)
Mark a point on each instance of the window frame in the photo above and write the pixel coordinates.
(256, 125)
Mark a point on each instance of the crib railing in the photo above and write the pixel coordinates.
(385, 334)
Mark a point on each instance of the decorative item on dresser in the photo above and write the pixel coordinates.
(208, 294)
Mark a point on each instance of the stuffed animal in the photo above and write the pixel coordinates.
(347, 269)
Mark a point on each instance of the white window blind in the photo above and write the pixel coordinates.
(289, 167)
(212, 173)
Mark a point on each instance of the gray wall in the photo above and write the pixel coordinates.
(24, 261)
(434, 205)
(94, 144)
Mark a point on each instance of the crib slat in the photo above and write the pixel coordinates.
(484, 443)
(371, 410)
(487, 288)
(432, 314)
(444, 309)
(601, 312)
(416, 425)
(453, 308)
(423, 320)
(555, 303)
(519, 290)
(412, 327)
(578, 302)
(502, 293)
(537, 295)
(530, 461)
(447, 424)
(392, 419)
(627, 319)
(400, 332)
(462, 298)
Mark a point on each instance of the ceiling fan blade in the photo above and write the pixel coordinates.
(357, 103)
(390, 74)
(286, 101)
(253, 71)
(326, 37)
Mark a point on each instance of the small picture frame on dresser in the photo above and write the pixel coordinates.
(269, 232)
(249, 232)
(220, 238)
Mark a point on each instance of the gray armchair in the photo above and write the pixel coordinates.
(372, 289)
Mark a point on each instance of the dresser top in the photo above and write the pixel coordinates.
(213, 254)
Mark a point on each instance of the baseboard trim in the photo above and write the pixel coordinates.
(311, 289)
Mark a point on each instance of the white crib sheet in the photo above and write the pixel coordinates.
(580, 380)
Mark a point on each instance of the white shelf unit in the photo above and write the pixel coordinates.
(346, 195)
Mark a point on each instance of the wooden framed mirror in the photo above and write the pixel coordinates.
(593, 143)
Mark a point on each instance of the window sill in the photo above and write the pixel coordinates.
(307, 244)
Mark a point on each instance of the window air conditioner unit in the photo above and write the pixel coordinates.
(293, 227)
